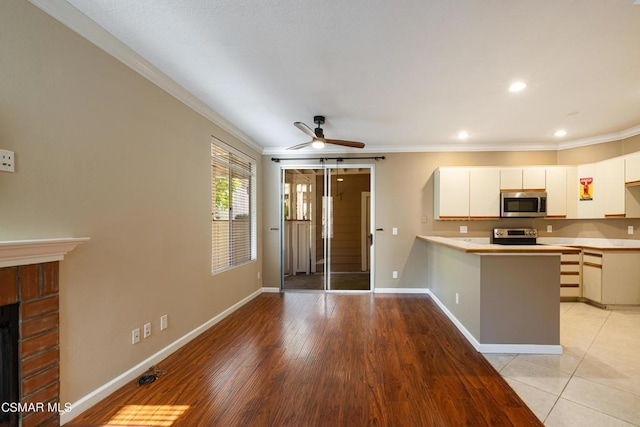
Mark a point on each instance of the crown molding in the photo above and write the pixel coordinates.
(78, 22)
(609, 137)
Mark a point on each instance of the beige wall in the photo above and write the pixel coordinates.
(404, 197)
(102, 152)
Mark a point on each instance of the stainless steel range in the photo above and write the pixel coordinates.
(514, 236)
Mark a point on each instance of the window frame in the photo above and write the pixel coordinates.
(230, 160)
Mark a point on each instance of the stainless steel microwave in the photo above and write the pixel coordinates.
(524, 204)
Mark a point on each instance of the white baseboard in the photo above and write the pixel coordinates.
(497, 348)
(87, 401)
(520, 348)
(474, 342)
(271, 290)
(401, 290)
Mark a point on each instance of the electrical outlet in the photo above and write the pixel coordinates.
(463, 229)
(394, 231)
(135, 336)
(147, 330)
(549, 228)
(394, 275)
(457, 299)
(630, 229)
(7, 161)
(164, 322)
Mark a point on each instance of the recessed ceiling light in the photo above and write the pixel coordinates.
(560, 133)
(517, 86)
(317, 144)
(463, 134)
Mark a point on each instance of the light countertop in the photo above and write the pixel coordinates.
(593, 243)
(478, 245)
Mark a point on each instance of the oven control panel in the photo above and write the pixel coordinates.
(515, 233)
(514, 236)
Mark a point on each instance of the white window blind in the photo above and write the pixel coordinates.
(233, 207)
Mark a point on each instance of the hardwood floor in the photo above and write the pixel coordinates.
(316, 359)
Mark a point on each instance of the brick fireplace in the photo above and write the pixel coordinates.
(35, 288)
(29, 286)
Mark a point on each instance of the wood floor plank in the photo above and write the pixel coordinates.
(316, 359)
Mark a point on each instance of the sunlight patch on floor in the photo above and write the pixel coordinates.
(148, 415)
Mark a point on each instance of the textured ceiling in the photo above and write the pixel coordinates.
(398, 75)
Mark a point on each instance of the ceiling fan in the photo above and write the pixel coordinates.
(317, 136)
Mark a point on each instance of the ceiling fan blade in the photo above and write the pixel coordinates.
(306, 129)
(353, 144)
(299, 146)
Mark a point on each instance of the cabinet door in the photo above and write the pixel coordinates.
(572, 192)
(556, 179)
(484, 193)
(632, 169)
(511, 179)
(592, 275)
(592, 282)
(534, 179)
(451, 193)
(614, 188)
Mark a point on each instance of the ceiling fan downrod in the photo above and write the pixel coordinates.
(319, 120)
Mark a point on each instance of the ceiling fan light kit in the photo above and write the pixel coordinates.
(318, 140)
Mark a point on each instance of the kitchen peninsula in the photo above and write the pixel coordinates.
(504, 299)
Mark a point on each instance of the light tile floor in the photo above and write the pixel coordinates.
(595, 382)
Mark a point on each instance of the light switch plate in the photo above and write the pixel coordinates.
(394, 275)
(630, 229)
(394, 231)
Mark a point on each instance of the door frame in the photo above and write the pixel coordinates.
(372, 192)
(365, 207)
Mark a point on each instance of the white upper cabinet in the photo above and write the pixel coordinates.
(484, 193)
(511, 179)
(573, 188)
(556, 182)
(606, 189)
(613, 188)
(534, 178)
(632, 169)
(519, 179)
(451, 193)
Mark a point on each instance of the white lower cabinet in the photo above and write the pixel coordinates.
(592, 275)
(610, 277)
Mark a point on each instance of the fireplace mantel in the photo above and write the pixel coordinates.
(24, 252)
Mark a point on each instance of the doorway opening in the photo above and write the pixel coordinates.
(326, 222)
